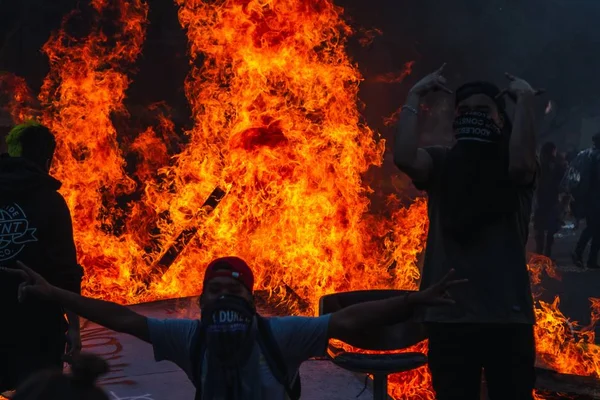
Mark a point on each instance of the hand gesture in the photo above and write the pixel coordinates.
(33, 283)
(518, 87)
(431, 83)
(437, 295)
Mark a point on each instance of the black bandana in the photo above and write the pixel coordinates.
(477, 126)
(230, 335)
(228, 323)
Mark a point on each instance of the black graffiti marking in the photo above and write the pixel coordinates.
(102, 337)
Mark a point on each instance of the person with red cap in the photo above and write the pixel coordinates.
(232, 352)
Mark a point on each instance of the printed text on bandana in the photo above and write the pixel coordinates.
(476, 126)
(228, 321)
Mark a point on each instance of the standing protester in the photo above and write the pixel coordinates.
(480, 194)
(35, 226)
(548, 208)
(232, 353)
(587, 196)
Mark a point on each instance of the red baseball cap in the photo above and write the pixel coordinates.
(230, 267)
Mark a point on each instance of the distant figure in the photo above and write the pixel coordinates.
(548, 209)
(35, 226)
(80, 384)
(588, 197)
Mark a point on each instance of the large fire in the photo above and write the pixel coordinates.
(276, 130)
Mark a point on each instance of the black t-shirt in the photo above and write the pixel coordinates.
(499, 289)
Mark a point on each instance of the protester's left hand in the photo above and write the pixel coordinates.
(437, 295)
(73, 343)
(519, 87)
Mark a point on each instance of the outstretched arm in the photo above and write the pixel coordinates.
(111, 315)
(408, 157)
(351, 321)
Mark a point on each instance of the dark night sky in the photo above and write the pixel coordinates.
(551, 43)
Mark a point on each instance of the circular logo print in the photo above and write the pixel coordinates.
(15, 232)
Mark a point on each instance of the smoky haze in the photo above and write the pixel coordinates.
(552, 43)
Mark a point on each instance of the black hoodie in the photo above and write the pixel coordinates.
(35, 228)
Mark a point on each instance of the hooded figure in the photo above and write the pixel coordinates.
(35, 228)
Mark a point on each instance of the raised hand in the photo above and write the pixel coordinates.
(431, 83)
(437, 295)
(518, 87)
(33, 283)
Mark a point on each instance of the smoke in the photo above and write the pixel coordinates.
(553, 44)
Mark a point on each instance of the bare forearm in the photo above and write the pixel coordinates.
(407, 134)
(352, 320)
(522, 158)
(111, 315)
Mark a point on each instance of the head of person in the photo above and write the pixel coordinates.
(548, 152)
(227, 276)
(480, 114)
(596, 140)
(33, 142)
(481, 97)
(80, 384)
(227, 311)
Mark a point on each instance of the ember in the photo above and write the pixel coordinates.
(277, 128)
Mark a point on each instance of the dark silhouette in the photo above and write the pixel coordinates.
(480, 194)
(36, 227)
(80, 384)
(547, 216)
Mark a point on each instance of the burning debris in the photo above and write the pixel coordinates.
(278, 133)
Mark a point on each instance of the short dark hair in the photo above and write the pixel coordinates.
(480, 87)
(32, 141)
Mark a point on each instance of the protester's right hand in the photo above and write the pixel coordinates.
(431, 83)
(33, 283)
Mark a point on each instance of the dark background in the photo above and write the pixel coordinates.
(552, 43)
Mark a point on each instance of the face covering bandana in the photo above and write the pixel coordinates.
(228, 323)
(230, 349)
(476, 126)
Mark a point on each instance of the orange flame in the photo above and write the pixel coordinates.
(20, 104)
(396, 77)
(277, 127)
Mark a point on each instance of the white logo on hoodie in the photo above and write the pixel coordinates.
(15, 232)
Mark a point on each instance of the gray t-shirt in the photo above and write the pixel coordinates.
(498, 290)
(299, 338)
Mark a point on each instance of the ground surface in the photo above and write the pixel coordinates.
(577, 285)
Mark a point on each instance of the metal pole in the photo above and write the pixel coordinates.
(380, 387)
